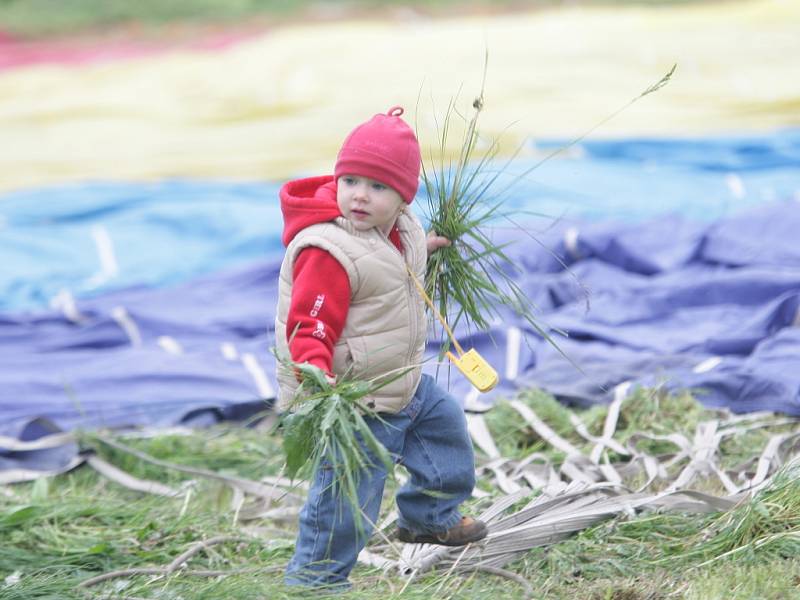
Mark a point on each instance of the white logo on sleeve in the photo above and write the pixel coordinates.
(319, 332)
(317, 305)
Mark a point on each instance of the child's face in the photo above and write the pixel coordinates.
(367, 203)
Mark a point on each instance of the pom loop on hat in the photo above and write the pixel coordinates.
(395, 111)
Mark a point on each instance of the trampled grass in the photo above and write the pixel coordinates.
(57, 533)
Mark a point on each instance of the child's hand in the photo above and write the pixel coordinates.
(331, 379)
(435, 241)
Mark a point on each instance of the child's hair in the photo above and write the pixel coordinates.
(384, 149)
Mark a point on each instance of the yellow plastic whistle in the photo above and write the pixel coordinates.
(475, 368)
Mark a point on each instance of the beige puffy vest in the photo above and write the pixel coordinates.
(386, 327)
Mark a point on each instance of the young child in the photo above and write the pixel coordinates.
(348, 305)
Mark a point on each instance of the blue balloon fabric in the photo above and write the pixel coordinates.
(93, 238)
(659, 263)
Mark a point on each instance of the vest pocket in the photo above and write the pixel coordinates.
(359, 357)
(343, 362)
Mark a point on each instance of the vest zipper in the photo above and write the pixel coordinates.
(411, 292)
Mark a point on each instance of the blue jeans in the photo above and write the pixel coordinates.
(429, 438)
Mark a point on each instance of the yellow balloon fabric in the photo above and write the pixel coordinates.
(280, 104)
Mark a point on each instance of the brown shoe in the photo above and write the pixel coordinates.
(464, 532)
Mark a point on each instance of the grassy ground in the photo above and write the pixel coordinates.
(48, 17)
(58, 532)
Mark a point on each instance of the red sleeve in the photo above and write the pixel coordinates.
(318, 309)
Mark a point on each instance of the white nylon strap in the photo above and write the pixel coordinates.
(263, 385)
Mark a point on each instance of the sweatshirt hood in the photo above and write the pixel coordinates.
(306, 202)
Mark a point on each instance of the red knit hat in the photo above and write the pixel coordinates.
(384, 149)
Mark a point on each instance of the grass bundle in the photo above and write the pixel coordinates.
(326, 427)
(473, 277)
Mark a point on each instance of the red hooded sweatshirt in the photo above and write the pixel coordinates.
(320, 285)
